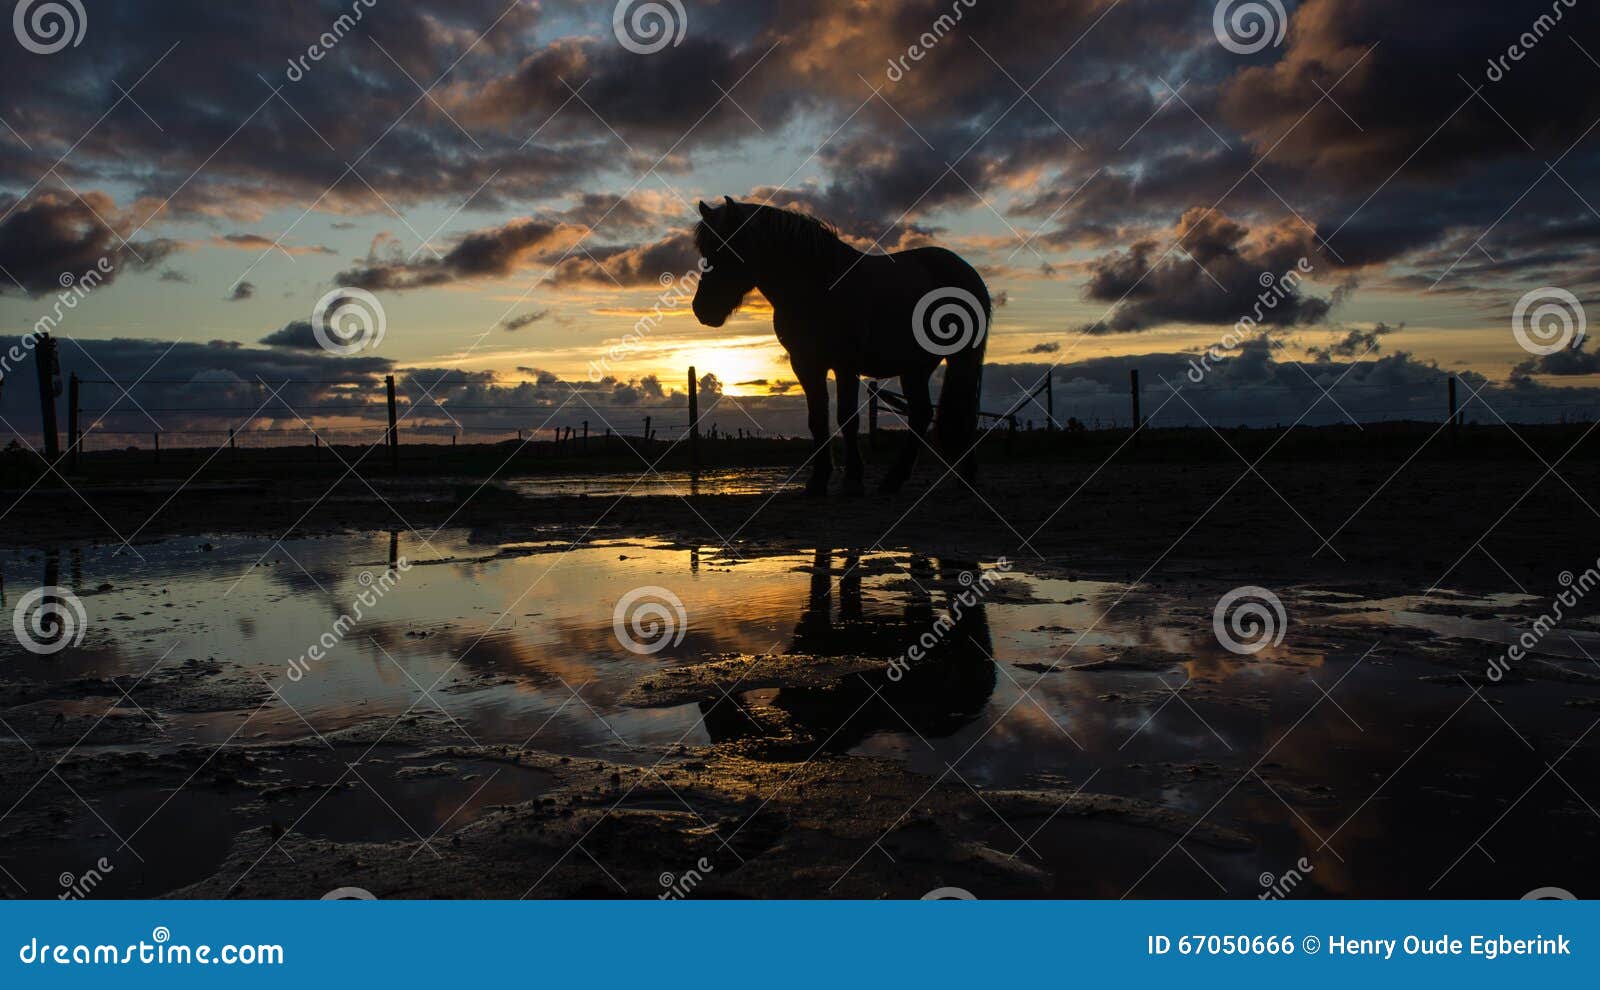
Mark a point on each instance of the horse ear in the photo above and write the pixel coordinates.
(728, 201)
(705, 211)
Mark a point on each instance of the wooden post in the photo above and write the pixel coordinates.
(872, 413)
(1455, 416)
(231, 439)
(45, 358)
(1050, 397)
(694, 425)
(647, 429)
(585, 436)
(1133, 385)
(394, 426)
(156, 437)
(73, 440)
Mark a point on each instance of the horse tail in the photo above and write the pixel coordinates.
(961, 395)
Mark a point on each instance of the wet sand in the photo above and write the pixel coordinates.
(1080, 733)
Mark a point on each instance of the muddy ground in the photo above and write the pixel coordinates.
(778, 809)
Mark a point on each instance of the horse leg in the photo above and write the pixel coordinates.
(847, 388)
(916, 393)
(814, 381)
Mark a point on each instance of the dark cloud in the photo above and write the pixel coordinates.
(50, 240)
(1356, 343)
(1213, 271)
(526, 319)
(296, 335)
(242, 291)
(1048, 347)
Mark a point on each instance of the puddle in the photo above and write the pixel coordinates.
(1041, 680)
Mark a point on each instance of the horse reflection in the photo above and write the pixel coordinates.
(945, 689)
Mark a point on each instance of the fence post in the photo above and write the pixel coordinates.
(72, 422)
(872, 414)
(1455, 417)
(694, 424)
(647, 429)
(231, 439)
(394, 426)
(1050, 396)
(585, 448)
(1133, 385)
(157, 438)
(45, 358)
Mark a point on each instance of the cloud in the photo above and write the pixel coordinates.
(1355, 344)
(242, 291)
(296, 335)
(49, 239)
(526, 319)
(1215, 271)
(1048, 347)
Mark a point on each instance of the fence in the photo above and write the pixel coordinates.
(372, 411)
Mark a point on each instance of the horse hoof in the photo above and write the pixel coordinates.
(853, 486)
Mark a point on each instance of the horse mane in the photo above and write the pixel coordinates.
(788, 231)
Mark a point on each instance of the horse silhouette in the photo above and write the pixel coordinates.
(857, 315)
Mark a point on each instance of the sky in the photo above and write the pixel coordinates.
(508, 189)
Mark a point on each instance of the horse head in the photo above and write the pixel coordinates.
(728, 278)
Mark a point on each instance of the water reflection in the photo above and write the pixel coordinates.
(932, 698)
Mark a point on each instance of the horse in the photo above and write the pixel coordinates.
(837, 309)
